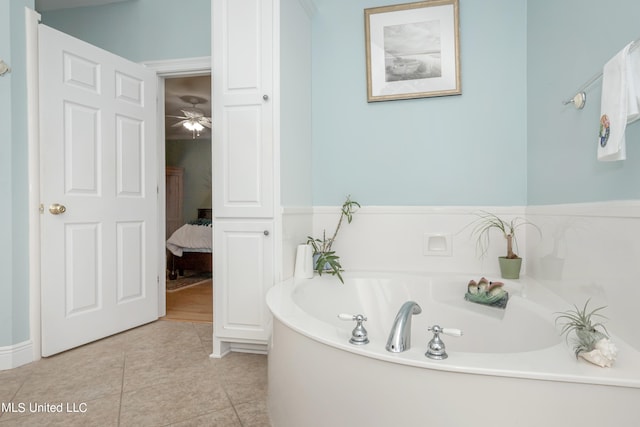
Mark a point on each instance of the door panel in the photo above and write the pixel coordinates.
(83, 285)
(243, 275)
(98, 159)
(243, 109)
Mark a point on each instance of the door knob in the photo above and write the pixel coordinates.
(57, 209)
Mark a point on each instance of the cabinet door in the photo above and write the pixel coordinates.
(243, 275)
(242, 35)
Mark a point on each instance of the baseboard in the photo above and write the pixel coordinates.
(222, 348)
(16, 355)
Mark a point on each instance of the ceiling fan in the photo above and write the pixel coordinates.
(193, 119)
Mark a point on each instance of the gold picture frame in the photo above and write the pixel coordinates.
(413, 50)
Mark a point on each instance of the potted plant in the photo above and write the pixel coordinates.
(591, 339)
(511, 263)
(326, 260)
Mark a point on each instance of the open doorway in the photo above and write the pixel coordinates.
(189, 287)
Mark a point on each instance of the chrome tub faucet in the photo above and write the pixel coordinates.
(400, 336)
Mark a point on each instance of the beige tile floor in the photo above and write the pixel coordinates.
(159, 374)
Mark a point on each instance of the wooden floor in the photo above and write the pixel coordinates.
(192, 304)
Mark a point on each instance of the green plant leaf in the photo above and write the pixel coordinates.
(323, 246)
(487, 221)
(580, 322)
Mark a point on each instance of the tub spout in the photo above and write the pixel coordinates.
(400, 336)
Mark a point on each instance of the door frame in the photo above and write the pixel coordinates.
(164, 69)
(185, 67)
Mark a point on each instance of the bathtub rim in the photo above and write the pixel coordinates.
(554, 363)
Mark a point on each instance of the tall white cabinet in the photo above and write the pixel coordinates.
(248, 242)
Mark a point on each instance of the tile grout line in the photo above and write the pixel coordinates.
(27, 378)
(233, 406)
(124, 366)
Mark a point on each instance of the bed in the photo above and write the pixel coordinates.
(190, 246)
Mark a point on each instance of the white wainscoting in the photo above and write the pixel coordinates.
(391, 238)
(592, 251)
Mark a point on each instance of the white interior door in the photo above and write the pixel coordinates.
(98, 160)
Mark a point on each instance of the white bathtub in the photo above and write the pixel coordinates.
(509, 368)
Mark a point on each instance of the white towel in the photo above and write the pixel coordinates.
(620, 103)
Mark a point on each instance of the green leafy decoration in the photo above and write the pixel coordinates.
(581, 323)
(328, 261)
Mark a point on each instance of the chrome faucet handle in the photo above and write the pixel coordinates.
(359, 333)
(436, 348)
(447, 331)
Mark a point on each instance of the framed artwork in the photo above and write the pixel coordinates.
(412, 50)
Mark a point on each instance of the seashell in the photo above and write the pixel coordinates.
(472, 287)
(603, 355)
(607, 348)
(496, 291)
(483, 285)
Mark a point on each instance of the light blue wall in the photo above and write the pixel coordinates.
(569, 41)
(141, 30)
(295, 105)
(14, 230)
(6, 286)
(455, 150)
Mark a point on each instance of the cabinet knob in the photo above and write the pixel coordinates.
(265, 97)
(266, 232)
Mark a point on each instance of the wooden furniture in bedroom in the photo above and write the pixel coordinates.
(196, 261)
(174, 196)
(205, 213)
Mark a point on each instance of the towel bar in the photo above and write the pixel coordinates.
(580, 98)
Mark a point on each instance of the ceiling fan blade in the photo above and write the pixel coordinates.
(177, 117)
(192, 114)
(180, 123)
(205, 123)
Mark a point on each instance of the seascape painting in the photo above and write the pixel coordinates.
(412, 51)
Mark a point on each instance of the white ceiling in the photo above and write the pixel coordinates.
(185, 87)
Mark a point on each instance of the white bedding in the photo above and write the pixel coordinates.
(191, 238)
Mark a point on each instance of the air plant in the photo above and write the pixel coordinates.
(581, 323)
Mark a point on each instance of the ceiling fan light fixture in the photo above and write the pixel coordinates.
(193, 125)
